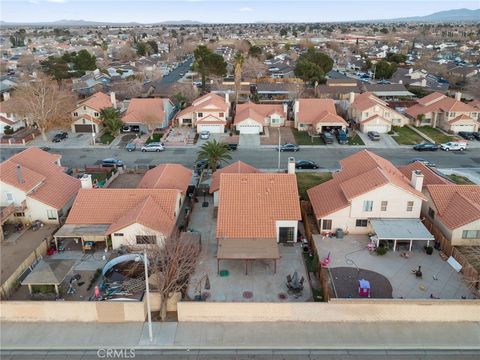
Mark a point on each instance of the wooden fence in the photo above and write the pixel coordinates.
(472, 276)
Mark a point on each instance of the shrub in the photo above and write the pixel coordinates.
(8, 130)
(429, 250)
(381, 250)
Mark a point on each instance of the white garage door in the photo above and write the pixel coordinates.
(249, 129)
(382, 129)
(213, 129)
(457, 128)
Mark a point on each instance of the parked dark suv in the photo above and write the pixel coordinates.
(60, 136)
(373, 135)
(467, 135)
(327, 138)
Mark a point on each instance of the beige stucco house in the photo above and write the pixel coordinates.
(251, 118)
(317, 115)
(34, 186)
(367, 187)
(373, 114)
(86, 116)
(207, 113)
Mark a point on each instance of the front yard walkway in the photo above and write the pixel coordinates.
(260, 285)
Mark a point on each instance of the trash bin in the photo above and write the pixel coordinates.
(339, 234)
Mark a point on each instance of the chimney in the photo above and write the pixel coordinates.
(351, 97)
(291, 165)
(285, 110)
(113, 100)
(400, 81)
(227, 98)
(417, 180)
(424, 82)
(458, 96)
(410, 70)
(86, 181)
(6, 96)
(296, 108)
(19, 175)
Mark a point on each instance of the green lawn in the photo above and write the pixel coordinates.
(106, 138)
(355, 140)
(436, 135)
(303, 138)
(311, 262)
(99, 177)
(406, 136)
(154, 138)
(460, 180)
(307, 180)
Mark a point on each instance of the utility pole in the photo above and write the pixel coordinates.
(147, 292)
(279, 145)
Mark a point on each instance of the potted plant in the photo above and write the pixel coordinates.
(429, 250)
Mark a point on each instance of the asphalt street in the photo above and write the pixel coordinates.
(174, 76)
(263, 158)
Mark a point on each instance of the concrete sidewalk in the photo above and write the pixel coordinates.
(227, 336)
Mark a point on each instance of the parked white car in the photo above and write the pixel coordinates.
(454, 146)
(154, 146)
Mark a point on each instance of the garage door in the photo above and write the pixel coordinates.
(83, 128)
(457, 128)
(213, 129)
(382, 129)
(249, 129)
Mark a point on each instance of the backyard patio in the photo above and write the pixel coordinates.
(262, 284)
(438, 280)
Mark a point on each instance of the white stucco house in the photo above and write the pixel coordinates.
(8, 117)
(86, 116)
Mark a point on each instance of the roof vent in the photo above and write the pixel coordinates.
(19, 175)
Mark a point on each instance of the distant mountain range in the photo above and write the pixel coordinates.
(456, 15)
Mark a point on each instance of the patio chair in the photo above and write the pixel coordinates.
(289, 279)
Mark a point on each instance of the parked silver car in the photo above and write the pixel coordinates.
(154, 146)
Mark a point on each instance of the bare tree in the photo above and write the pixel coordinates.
(184, 92)
(127, 89)
(45, 103)
(253, 68)
(171, 266)
(27, 63)
(126, 53)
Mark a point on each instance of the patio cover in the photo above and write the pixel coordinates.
(247, 249)
(73, 230)
(49, 272)
(401, 229)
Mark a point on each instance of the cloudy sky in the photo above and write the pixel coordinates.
(148, 11)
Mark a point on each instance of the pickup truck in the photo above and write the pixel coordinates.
(232, 147)
(454, 146)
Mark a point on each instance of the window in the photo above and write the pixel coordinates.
(361, 223)
(84, 108)
(274, 120)
(9, 197)
(326, 224)
(199, 115)
(75, 114)
(409, 205)
(431, 213)
(19, 214)
(365, 115)
(368, 205)
(96, 114)
(221, 114)
(118, 234)
(52, 214)
(471, 234)
(187, 121)
(387, 114)
(383, 206)
(146, 239)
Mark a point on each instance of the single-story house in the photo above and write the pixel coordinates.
(149, 114)
(317, 115)
(250, 118)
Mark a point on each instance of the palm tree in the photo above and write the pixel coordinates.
(111, 120)
(239, 60)
(214, 152)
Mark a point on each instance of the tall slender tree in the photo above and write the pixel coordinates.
(238, 68)
(214, 152)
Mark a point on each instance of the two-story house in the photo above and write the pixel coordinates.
(207, 113)
(317, 115)
(449, 114)
(149, 114)
(367, 187)
(86, 116)
(372, 114)
(250, 118)
(34, 186)
(9, 118)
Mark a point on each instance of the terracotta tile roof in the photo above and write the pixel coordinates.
(430, 177)
(360, 173)
(437, 102)
(211, 119)
(366, 100)
(257, 112)
(97, 101)
(457, 205)
(39, 170)
(475, 103)
(154, 208)
(238, 167)
(207, 102)
(167, 176)
(373, 117)
(145, 111)
(314, 111)
(250, 204)
(460, 118)
(90, 118)
(7, 121)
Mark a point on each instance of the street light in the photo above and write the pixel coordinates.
(147, 293)
(279, 139)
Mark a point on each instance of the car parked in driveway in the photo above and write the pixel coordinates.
(111, 162)
(476, 135)
(467, 135)
(131, 146)
(289, 147)
(154, 146)
(60, 137)
(426, 147)
(454, 146)
(374, 136)
(306, 164)
(423, 161)
(327, 138)
(204, 135)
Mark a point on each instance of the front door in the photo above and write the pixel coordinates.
(286, 234)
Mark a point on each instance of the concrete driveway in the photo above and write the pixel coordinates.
(249, 141)
(386, 141)
(75, 140)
